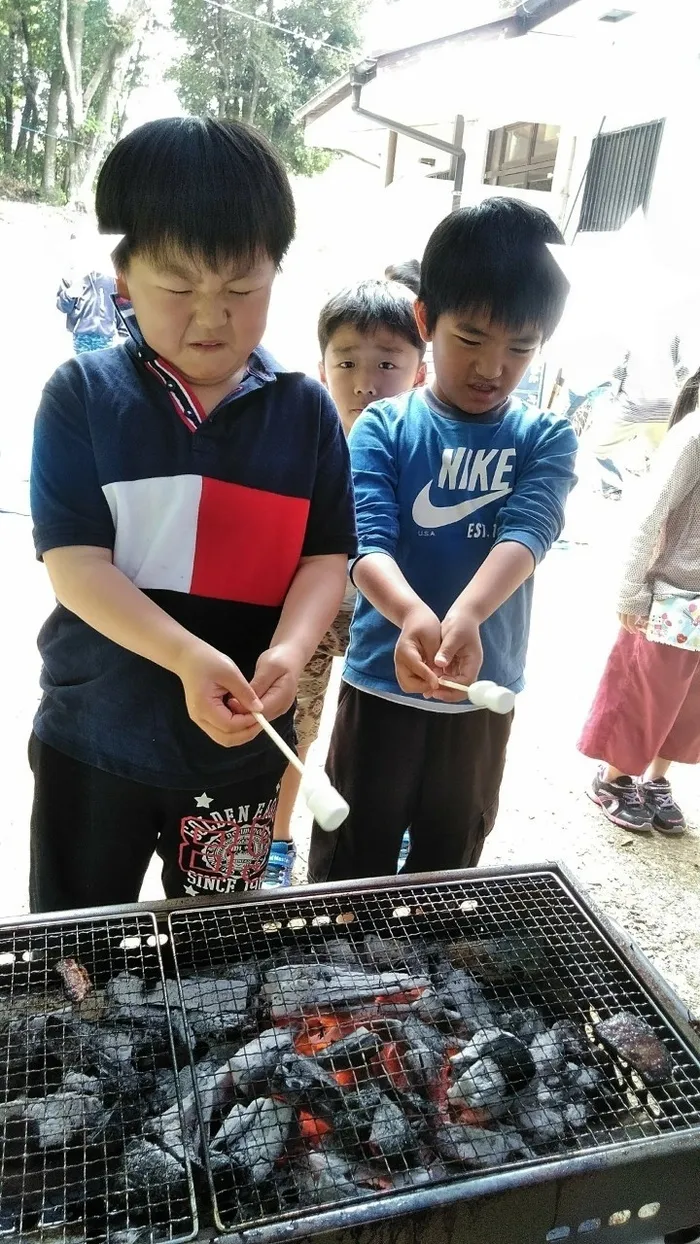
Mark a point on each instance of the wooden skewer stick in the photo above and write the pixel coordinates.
(328, 807)
(485, 694)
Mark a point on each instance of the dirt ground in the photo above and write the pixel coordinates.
(650, 886)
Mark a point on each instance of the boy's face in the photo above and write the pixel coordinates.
(205, 322)
(360, 368)
(477, 362)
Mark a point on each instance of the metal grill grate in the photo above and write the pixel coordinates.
(80, 1085)
(561, 963)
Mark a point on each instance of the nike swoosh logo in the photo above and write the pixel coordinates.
(425, 514)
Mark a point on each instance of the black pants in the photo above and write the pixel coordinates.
(93, 834)
(399, 767)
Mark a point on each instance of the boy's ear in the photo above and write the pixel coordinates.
(322, 373)
(421, 314)
(420, 375)
(123, 287)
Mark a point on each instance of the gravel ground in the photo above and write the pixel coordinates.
(650, 886)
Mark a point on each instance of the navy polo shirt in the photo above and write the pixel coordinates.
(208, 515)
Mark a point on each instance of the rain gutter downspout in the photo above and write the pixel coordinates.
(363, 74)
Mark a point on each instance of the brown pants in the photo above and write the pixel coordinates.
(400, 767)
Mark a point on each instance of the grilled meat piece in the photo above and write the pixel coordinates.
(76, 980)
(633, 1040)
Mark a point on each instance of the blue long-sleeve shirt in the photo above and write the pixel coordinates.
(437, 492)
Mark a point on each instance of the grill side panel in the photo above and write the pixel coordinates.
(79, 1158)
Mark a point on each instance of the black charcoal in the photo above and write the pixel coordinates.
(391, 1136)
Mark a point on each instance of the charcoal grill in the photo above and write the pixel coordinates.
(631, 1174)
(76, 1192)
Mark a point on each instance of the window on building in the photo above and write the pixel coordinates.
(522, 156)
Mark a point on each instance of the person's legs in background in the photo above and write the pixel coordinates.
(376, 760)
(311, 695)
(645, 716)
(85, 343)
(460, 784)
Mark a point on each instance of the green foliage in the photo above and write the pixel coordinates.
(243, 69)
(30, 61)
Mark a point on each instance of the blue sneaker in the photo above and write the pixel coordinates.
(403, 853)
(280, 865)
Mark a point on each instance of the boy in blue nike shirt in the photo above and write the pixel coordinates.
(460, 492)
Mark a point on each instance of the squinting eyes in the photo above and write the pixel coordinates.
(347, 365)
(231, 293)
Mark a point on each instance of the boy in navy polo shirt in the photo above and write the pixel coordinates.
(193, 506)
(460, 491)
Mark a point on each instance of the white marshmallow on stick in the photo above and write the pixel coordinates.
(324, 802)
(485, 694)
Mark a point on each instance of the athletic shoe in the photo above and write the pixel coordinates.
(403, 853)
(667, 816)
(622, 802)
(280, 865)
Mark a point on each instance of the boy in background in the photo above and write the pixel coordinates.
(460, 491)
(192, 503)
(370, 349)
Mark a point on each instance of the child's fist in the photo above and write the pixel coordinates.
(414, 655)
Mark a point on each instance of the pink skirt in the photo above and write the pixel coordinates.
(647, 705)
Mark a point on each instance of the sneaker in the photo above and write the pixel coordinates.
(622, 803)
(667, 817)
(403, 853)
(280, 865)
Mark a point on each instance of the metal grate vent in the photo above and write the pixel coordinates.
(620, 176)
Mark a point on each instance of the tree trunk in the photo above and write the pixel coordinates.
(24, 124)
(48, 176)
(102, 137)
(30, 111)
(106, 84)
(253, 97)
(31, 137)
(8, 93)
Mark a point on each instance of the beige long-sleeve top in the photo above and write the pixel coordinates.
(663, 553)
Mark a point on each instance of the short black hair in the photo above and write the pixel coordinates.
(406, 273)
(493, 259)
(208, 189)
(369, 306)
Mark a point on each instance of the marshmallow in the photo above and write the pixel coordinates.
(487, 694)
(328, 808)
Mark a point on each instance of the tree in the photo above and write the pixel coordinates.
(241, 66)
(67, 68)
(92, 94)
